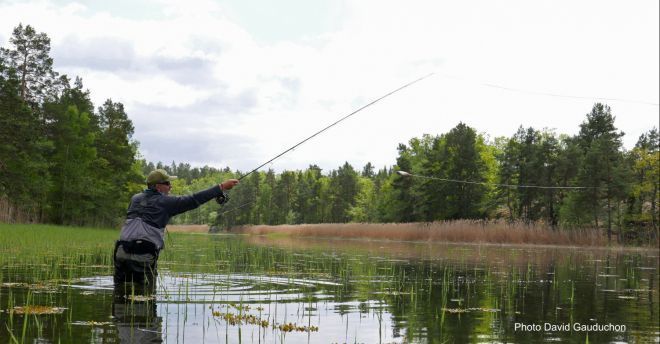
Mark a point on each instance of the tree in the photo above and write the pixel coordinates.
(456, 156)
(603, 167)
(72, 198)
(644, 160)
(548, 155)
(283, 198)
(368, 170)
(364, 209)
(266, 200)
(29, 57)
(529, 158)
(403, 202)
(115, 157)
(308, 196)
(343, 189)
(23, 169)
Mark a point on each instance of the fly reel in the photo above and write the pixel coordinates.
(222, 198)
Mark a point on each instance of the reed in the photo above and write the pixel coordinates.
(188, 228)
(459, 231)
(81, 251)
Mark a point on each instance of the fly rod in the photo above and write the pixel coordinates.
(223, 198)
(410, 175)
(335, 123)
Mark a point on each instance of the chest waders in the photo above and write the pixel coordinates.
(136, 260)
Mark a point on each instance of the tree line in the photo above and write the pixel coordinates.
(64, 161)
(582, 181)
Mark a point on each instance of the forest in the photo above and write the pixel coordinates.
(64, 160)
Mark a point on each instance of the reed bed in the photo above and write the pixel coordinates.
(188, 228)
(459, 231)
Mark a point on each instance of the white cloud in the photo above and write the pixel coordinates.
(194, 65)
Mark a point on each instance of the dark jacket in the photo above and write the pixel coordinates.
(150, 211)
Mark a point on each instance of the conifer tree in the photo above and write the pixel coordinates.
(29, 57)
(72, 198)
(602, 167)
(24, 175)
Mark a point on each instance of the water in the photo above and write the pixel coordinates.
(234, 289)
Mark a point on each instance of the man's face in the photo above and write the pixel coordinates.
(164, 187)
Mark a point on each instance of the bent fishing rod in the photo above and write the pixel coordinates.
(222, 199)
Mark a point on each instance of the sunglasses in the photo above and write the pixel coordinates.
(166, 183)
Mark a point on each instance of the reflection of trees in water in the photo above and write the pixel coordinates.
(480, 254)
(458, 293)
(134, 314)
(484, 290)
(486, 302)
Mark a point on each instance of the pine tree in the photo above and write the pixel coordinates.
(72, 197)
(603, 166)
(29, 57)
(115, 159)
(400, 204)
(23, 169)
(457, 156)
(343, 189)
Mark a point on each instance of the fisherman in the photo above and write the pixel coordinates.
(143, 233)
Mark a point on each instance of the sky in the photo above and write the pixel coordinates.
(236, 82)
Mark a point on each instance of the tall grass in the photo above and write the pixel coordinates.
(188, 228)
(25, 245)
(460, 231)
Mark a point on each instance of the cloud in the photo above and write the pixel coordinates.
(98, 53)
(192, 72)
(115, 55)
(217, 108)
(202, 132)
(198, 148)
(185, 70)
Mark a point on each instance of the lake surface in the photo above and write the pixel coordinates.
(238, 289)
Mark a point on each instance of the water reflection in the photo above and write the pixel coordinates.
(134, 315)
(235, 290)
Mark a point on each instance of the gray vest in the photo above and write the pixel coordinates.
(137, 229)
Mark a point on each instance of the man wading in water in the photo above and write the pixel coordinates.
(142, 236)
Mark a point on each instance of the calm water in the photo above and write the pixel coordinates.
(232, 289)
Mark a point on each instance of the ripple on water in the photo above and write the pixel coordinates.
(206, 288)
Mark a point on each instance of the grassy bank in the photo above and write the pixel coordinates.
(461, 231)
(55, 244)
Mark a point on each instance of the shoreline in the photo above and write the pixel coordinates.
(464, 232)
(449, 243)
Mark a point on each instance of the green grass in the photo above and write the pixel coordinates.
(22, 246)
(37, 237)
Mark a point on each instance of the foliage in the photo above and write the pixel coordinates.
(63, 161)
(29, 58)
(23, 167)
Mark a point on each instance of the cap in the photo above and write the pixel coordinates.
(159, 176)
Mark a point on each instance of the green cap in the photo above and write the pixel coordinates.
(159, 176)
